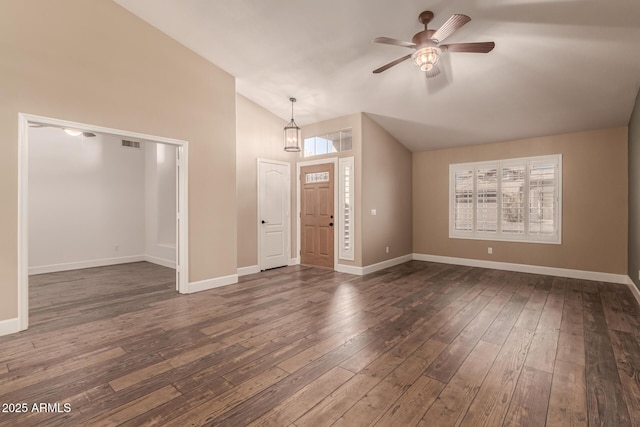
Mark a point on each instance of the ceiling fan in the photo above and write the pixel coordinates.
(427, 44)
(72, 132)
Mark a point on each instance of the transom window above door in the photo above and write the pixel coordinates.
(329, 143)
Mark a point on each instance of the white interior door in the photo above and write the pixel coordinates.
(273, 214)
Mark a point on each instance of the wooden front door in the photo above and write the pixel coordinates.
(316, 211)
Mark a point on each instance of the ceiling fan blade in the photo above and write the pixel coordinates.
(479, 47)
(88, 134)
(391, 64)
(433, 71)
(394, 42)
(454, 23)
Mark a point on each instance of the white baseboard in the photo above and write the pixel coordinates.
(360, 271)
(84, 264)
(245, 271)
(160, 261)
(294, 261)
(634, 289)
(9, 326)
(216, 282)
(525, 268)
(349, 269)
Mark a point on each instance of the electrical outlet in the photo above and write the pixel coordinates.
(374, 212)
(387, 249)
(489, 251)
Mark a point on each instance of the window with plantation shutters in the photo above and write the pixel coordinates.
(463, 194)
(514, 199)
(345, 210)
(486, 199)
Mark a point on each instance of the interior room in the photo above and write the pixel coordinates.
(97, 200)
(320, 213)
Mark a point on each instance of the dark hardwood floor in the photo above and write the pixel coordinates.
(418, 344)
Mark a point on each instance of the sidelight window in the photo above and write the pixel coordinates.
(346, 209)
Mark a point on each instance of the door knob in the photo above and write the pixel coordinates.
(330, 224)
(263, 221)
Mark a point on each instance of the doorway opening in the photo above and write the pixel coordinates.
(84, 199)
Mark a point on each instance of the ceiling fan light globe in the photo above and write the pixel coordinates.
(426, 57)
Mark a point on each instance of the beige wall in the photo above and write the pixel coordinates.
(259, 135)
(353, 121)
(594, 189)
(94, 62)
(386, 186)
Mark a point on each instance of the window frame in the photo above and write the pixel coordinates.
(498, 235)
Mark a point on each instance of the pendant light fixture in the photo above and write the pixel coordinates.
(292, 133)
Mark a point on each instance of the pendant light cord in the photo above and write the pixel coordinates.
(292, 101)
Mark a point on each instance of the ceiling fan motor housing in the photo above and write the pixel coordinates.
(423, 39)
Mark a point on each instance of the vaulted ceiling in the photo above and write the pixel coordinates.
(558, 66)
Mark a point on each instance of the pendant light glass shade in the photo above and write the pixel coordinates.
(292, 134)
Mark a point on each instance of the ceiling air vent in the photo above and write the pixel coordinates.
(130, 144)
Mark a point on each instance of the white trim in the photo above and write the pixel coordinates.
(349, 269)
(78, 265)
(182, 214)
(360, 271)
(216, 282)
(634, 289)
(9, 326)
(100, 129)
(294, 261)
(182, 219)
(23, 221)
(66, 266)
(525, 268)
(160, 261)
(288, 202)
(336, 224)
(245, 271)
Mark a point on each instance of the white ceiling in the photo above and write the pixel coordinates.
(559, 65)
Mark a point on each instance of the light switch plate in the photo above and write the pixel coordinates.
(373, 212)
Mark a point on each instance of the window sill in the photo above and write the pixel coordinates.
(557, 241)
